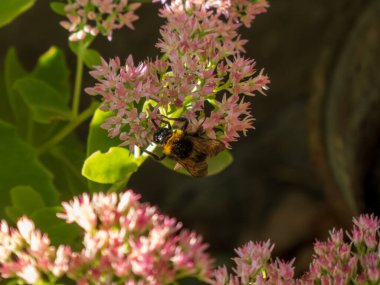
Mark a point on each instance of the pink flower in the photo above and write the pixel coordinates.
(202, 66)
(335, 261)
(251, 259)
(245, 11)
(281, 272)
(90, 17)
(62, 261)
(132, 240)
(80, 211)
(365, 230)
(29, 255)
(123, 240)
(29, 273)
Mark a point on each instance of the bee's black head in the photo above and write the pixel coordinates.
(162, 135)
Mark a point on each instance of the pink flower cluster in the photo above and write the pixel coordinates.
(98, 16)
(26, 254)
(253, 266)
(202, 75)
(124, 241)
(336, 261)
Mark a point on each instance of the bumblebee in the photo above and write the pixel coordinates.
(190, 150)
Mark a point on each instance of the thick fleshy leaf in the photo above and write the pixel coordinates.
(44, 103)
(216, 164)
(11, 282)
(58, 7)
(219, 162)
(98, 138)
(65, 161)
(42, 282)
(46, 217)
(52, 69)
(110, 167)
(91, 57)
(26, 199)
(20, 166)
(13, 213)
(63, 233)
(13, 70)
(5, 107)
(59, 232)
(10, 9)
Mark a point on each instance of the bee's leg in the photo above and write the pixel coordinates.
(163, 121)
(155, 156)
(167, 124)
(180, 119)
(154, 123)
(185, 123)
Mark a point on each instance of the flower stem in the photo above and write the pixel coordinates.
(78, 79)
(224, 86)
(68, 128)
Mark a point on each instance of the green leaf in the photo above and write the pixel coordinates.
(91, 57)
(26, 199)
(98, 138)
(20, 166)
(65, 161)
(216, 163)
(109, 167)
(10, 9)
(63, 233)
(5, 107)
(43, 282)
(46, 217)
(58, 7)
(52, 69)
(219, 162)
(44, 102)
(13, 213)
(11, 282)
(59, 232)
(13, 70)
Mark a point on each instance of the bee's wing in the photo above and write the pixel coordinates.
(196, 163)
(195, 168)
(209, 147)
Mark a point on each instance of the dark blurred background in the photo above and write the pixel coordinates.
(314, 159)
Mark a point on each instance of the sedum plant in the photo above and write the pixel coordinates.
(337, 260)
(123, 241)
(104, 234)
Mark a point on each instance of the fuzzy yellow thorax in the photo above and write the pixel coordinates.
(173, 140)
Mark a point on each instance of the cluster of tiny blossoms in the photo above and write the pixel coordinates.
(125, 242)
(98, 16)
(26, 254)
(335, 261)
(202, 75)
(254, 266)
